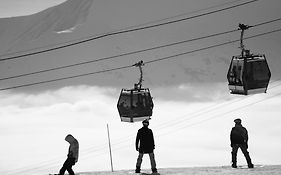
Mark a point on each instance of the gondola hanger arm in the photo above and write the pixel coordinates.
(139, 65)
(243, 27)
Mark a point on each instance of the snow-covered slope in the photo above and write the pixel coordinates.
(18, 31)
(225, 170)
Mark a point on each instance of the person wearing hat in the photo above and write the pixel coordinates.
(239, 139)
(145, 145)
(72, 156)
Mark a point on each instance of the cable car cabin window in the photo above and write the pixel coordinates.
(258, 73)
(124, 103)
(124, 100)
(147, 101)
(137, 101)
(141, 105)
(236, 70)
(135, 104)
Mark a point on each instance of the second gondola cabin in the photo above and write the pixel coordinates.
(248, 74)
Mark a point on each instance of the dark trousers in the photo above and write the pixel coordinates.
(67, 166)
(244, 150)
(152, 160)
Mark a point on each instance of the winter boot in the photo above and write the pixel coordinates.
(137, 169)
(249, 161)
(154, 170)
(251, 165)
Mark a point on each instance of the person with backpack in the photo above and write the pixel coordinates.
(239, 139)
(72, 156)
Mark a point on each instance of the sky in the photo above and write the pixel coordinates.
(193, 109)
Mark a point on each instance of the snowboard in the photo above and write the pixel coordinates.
(149, 173)
(244, 167)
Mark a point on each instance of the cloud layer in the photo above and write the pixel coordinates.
(33, 127)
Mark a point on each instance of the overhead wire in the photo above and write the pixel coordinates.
(65, 78)
(147, 62)
(210, 47)
(126, 28)
(211, 108)
(222, 114)
(47, 164)
(133, 52)
(126, 31)
(116, 56)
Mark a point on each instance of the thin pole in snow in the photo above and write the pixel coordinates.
(109, 148)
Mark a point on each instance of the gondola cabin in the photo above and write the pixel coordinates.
(135, 104)
(248, 74)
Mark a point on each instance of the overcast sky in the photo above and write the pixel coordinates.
(193, 112)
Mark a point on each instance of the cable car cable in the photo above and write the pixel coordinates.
(181, 119)
(233, 110)
(115, 56)
(131, 53)
(126, 28)
(125, 31)
(209, 47)
(148, 62)
(111, 57)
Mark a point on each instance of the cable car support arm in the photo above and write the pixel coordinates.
(243, 27)
(139, 84)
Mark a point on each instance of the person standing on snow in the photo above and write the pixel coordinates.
(239, 139)
(145, 145)
(72, 156)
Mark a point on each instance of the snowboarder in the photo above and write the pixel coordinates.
(145, 145)
(239, 139)
(72, 156)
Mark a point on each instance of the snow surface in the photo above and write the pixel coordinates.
(223, 170)
(64, 18)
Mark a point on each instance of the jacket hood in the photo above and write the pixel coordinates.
(69, 138)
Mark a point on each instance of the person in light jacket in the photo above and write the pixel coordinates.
(72, 156)
(239, 139)
(145, 145)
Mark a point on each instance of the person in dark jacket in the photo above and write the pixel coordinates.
(239, 139)
(145, 145)
(72, 156)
